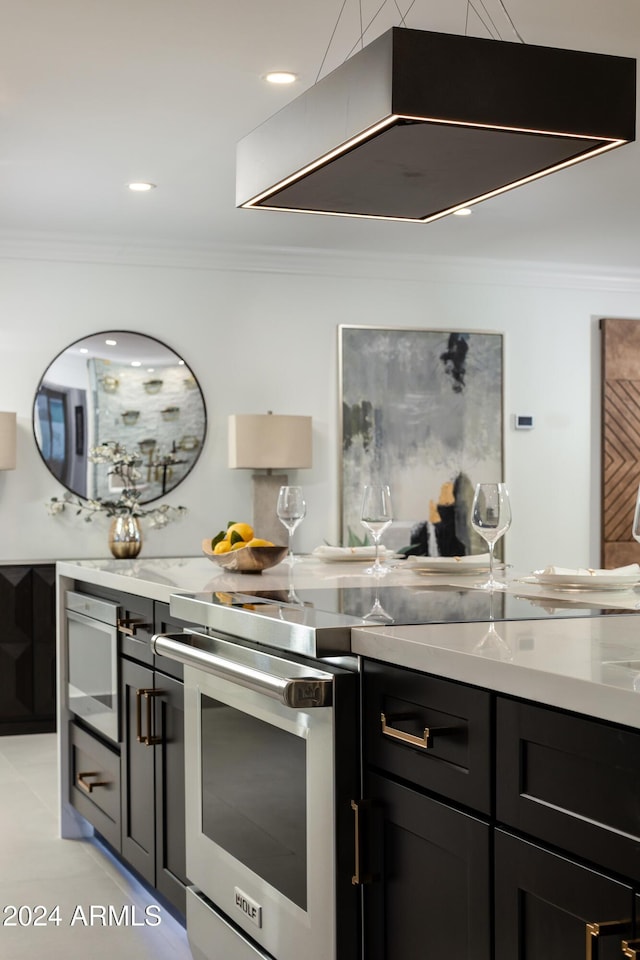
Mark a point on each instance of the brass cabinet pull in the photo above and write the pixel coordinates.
(593, 932)
(139, 716)
(422, 742)
(129, 625)
(359, 878)
(85, 785)
(631, 949)
(149, 739)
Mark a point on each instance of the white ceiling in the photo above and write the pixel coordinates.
(96, 93)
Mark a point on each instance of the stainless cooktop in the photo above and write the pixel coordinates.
(318, 622)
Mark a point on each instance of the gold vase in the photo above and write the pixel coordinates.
(125, 537)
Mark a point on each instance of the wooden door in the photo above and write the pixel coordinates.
(620, 439)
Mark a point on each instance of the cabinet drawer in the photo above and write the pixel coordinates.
(571, 781)
(455, 759)
(95, 783)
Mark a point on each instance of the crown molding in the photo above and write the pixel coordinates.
(348, 264)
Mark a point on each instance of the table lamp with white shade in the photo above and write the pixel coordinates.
(8, 441)
(269, 442)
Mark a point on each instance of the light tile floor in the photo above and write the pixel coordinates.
(38, 868)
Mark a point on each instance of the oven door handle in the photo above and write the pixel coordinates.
(295, 692)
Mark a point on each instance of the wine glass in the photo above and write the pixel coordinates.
(376, 516)
(491, 518)
(492, 644)
(291, 510)
(377, 614)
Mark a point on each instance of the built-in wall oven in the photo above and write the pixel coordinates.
(271, 772)
(92, 668)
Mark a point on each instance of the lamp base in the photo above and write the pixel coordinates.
(265, 499)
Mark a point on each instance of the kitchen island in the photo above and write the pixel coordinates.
(499, 747)
(571, 655)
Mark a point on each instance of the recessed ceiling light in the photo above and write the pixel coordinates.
(83, 350)
(111, 343)
(136, 363)
(280, 76)
(181, 363)
(463, 212)
(151, 369)
(141, 187)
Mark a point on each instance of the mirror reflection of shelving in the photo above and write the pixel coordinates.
(135, 392)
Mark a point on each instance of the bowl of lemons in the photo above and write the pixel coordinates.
(237, 549)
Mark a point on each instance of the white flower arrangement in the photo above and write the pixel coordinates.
(125, 466)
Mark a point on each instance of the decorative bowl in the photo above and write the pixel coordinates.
(246, 559)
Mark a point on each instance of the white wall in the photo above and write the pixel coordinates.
(260, 332)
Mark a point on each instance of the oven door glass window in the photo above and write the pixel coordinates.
(93, 673)
(254, 795)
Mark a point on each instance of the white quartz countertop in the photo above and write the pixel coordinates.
(159, 578)
(587, 664)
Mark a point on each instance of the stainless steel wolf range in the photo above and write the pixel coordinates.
(267, 787)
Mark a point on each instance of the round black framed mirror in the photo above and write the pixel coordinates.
(124, 388)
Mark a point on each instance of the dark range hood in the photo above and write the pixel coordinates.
(419, 124)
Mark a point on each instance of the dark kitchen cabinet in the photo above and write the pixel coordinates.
(428, 893)
(570, 787)
(152, 778)
(542, 865)
(548, 907)
(571, 781)
(425, 861)
(94, 782)
(137, 772)
(152, 754)
(27, 649)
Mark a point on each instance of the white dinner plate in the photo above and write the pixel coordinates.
(350, 554)
(449, 565)
(571, 581)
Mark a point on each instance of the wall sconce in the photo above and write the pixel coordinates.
(269, 442)
(153, 386)
(8, 441)
(109, 384)
(170, 413)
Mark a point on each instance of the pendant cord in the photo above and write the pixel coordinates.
(508, 16)
(490, 18)
(333, 33)
(403, 22)
(376, 14)
(470, 6)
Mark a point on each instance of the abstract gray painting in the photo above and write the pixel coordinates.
(421, 411)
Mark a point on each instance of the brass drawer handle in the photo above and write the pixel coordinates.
(593, 932)
(149, 739)
(129, 626)
(631, 949)
(359, 878)
(415, 741)
(85, 785)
